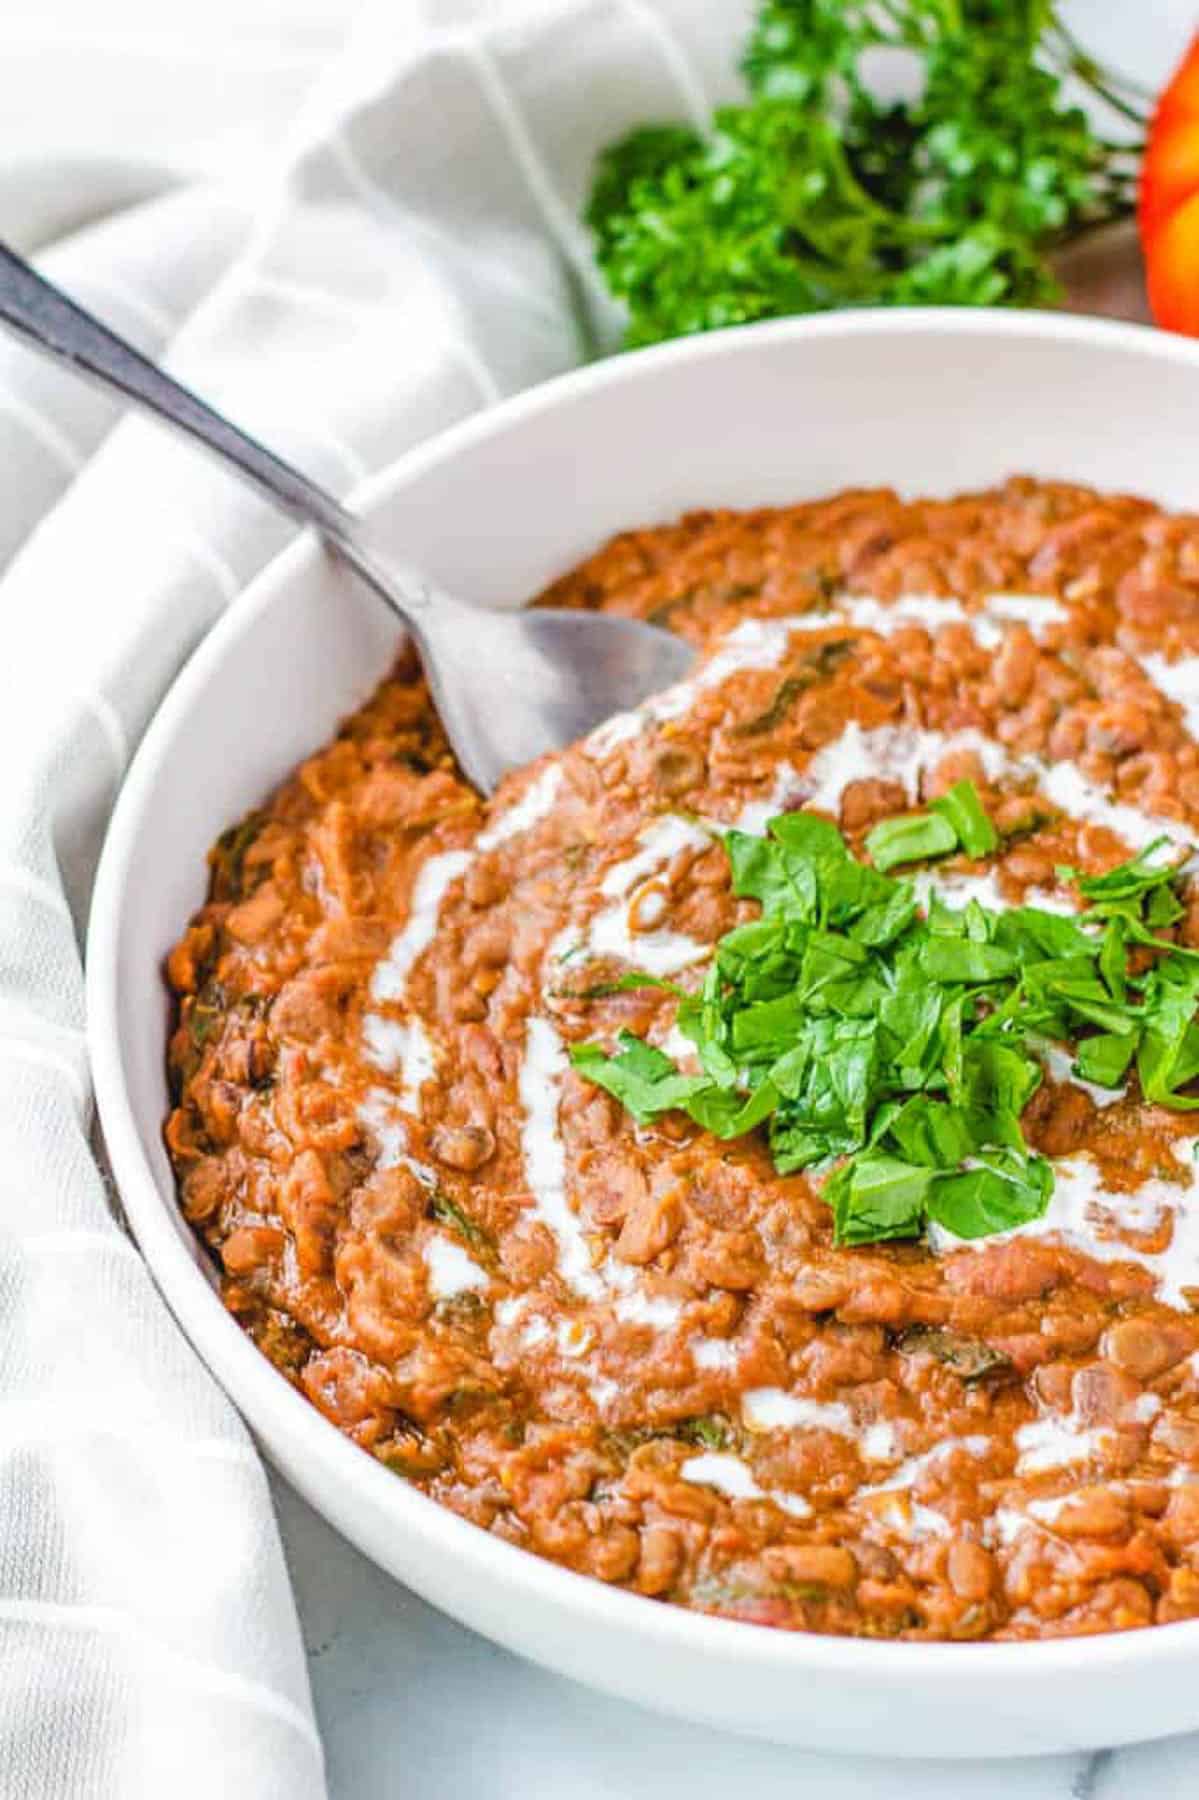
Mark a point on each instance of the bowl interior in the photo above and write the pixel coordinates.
(930, 403)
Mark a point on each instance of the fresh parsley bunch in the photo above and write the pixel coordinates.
(822, 193)
(898, 1046)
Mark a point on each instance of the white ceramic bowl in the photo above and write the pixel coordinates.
(931, 402)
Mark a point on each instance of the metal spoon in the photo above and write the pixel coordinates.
(507, 685)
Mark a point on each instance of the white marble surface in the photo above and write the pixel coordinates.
(411, 1705)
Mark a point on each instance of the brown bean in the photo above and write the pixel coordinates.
(863, 802)
(678, 767)
(358, 1396)
(308, 1208)
(1031, 868)
(958, 765)
(1067, 737)
(819, 718)
(1118, 729)
(971, 1569)
(651, 1224)
(250, 922)
(1058, 1118)
(389, 1203)
(1094, 1512)
(188, 957)
(485, 883)
(488, 945)
(614, 1192)
(877, 1562)
(1146, 1348)
(1017, 813)
(312, 1004)
(249, 1247)
(821, 1290)
(1180, 1525)
(1103, 1395)
(205, 1188)
(528, 1252)
(612, 1555)
(1119, 1605)
(1020, 1270)
(465, 1147)
(1015, 667)
(821, 1565)
(729, 1259)
(877, 1300)
(661, 1559)
(386, 1295)
(1181, 1601)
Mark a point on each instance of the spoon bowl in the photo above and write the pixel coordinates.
(540, 679)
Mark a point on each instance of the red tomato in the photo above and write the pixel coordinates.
(1169, 201)
(1172, 268)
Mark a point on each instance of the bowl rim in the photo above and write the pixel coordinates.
(252, 1383)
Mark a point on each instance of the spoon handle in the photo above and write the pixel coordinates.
(43, 315)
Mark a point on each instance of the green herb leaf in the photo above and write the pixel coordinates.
(1002, 1192)
(878, 1197)
(1104, 1059)
(1129, 880)
(968, 1357)
(228, 855)
(447, 1212)
(964, 810)
(712, 1431)
(1168, 1058)
(640, 1077)
(911, 839)
(949, 960)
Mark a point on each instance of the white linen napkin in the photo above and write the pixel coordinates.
(413, 253)
(409, 252)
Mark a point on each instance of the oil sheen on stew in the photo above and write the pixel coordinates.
(632, 1348)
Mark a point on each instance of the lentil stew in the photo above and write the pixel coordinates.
(632, 1346)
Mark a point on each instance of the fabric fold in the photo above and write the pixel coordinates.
(409, 253)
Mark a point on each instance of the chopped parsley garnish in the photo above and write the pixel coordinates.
(447, 1212)
(964, 811)
(911, 839)
(228, 855)
(971, 1358)
(828, 188)
(896, 1047)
